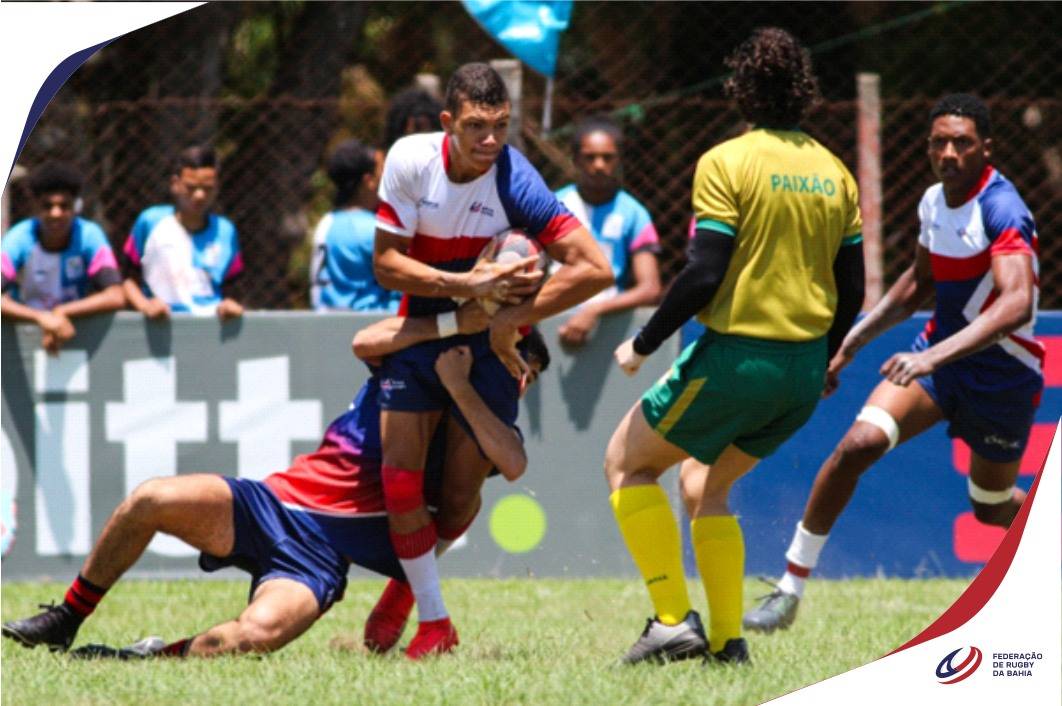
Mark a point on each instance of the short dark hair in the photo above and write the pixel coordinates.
(596, 123)
(52, 177)
(195, 157)
(964, 105)
(411, 103)
(350, 161)
(773, 82)
(534, 345)
(476, 83)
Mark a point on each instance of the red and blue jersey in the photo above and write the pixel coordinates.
(450, 223)
(43, 278)
(962, 241)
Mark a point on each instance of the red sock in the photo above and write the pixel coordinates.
(83, 596)
(414, 544)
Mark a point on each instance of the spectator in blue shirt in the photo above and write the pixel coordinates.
(57, 265)
(341, 273)
(620, 224)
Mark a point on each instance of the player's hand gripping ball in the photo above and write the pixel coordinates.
(506, 249)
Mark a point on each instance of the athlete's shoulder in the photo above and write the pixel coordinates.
(1000, 193)
(91, 231)
(626, 200)
(223, 226)
(418, 149)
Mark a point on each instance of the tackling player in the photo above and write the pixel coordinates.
(296, 531)
(775, 273)
(976, 364)
(442, 197)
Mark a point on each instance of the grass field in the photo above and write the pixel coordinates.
(533, 641)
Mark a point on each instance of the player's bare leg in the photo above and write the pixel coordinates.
(194, 508)
(636, 457)
(405, 438)
(280, 611)
(891, 415)
(994, 497)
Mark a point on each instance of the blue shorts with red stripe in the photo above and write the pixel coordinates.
(408, 382)
(274, 542)
(995, 424)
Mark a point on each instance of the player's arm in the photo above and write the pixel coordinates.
(397, 332)
(501, 444)
(395, 269)
(849, 273)
(1012, 309)
(709, 257)
(903, 299)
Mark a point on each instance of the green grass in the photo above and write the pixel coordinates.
(533, 641)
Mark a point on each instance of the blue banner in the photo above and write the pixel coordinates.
(530, 29)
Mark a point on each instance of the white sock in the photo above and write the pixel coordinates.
(804, 552)
(423, 576)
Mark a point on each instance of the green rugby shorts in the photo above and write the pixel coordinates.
(750, 392)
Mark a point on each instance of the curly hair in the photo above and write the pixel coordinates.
(411, 104)
(53, 177)
(773, 82)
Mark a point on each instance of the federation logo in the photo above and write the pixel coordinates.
(950, 673)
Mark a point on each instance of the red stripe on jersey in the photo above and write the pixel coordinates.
(386, 213)
(558, 227)
(1010, 241)
(446, 153)
(931, 326)
(986, 174)
(430, 249)
(1034, 347)
(330, 481)
(952, 269)
(403, 306)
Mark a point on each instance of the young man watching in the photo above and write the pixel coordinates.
(181, 256)
(57, 266)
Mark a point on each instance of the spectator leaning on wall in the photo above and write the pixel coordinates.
(180, 256)
(52, 262)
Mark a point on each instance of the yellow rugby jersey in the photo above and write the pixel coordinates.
(790, 204)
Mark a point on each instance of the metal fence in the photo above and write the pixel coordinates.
(273, 85)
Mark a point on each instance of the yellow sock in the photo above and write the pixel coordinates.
(720, 549)
(651, 533)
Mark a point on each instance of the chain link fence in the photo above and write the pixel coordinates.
(274, 85)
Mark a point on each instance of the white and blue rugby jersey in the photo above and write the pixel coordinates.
(622, 227)
(961, 242)
(341, 273)
(450, 223)
(185, 270)
(43, 279)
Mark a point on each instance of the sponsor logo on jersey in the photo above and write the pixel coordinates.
(426, 203)
(478, 207)
(389, 384)
(996, 440)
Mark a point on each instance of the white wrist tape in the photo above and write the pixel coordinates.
(882, 420)
(447, 324)
(988, 497)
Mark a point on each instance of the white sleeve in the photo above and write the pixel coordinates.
(397, 212)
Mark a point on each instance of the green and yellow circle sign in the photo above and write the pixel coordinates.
(517, 523)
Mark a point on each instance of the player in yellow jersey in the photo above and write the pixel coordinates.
(775, 273)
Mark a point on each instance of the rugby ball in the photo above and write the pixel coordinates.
(508, 247)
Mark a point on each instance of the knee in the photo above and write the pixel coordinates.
(147, 500)
(860, 447)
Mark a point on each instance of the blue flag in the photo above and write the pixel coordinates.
(530, 29)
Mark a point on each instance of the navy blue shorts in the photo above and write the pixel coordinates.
(273, 542)
(995, 424)
(408, 382)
